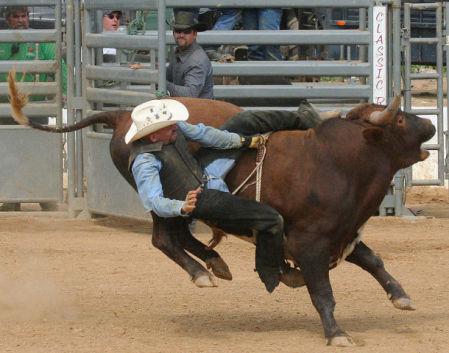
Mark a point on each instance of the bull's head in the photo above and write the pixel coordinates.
(401, 133)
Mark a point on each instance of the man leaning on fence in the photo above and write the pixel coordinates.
(189, 73)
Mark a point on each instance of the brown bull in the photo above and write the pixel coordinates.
(326, 183)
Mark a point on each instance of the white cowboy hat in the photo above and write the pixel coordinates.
(154, 115)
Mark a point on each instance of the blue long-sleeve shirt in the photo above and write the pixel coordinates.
(146, 168)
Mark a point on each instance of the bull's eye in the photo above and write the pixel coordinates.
(401, 121)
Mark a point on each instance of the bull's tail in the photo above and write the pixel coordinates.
(18, 100)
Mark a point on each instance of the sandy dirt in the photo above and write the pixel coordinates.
(99, 286)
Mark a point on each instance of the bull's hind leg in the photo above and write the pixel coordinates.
(313, 259)
(212, 259)
(364, 257)
(168, 236)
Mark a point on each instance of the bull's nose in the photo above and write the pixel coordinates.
(429, 131)
(433, 130)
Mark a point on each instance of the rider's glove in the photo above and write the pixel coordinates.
(252, 141)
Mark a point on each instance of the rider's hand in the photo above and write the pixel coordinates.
(252, 141)
(136, 66)
(190, 202)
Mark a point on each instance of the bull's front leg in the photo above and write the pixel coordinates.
(364, 257)
(168, 236)
(313, 259)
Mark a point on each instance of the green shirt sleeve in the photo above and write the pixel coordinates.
(47, 51)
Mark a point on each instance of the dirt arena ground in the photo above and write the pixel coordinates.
(99, 286)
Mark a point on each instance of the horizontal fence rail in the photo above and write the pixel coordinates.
(281, 37)
(300, 68)
(41, 88)
(264, 3)
(117, 96)
(152, 4)
(31, 110)
(29, 66)
(29, 2)
(143, 76)
(29, 35)
(299, 90)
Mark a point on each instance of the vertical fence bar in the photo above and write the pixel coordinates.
(447, 88)
(407, 70)
(407, 59)
(70, 108)
(362, 49)
(397, 47)
(58, 79)
(397, 44)
(78, 93)
(58, 57)
(440, 102)
(161, 48)
(370, 49)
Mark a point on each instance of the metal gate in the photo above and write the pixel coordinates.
(438, 146)
(31, 162)
(108, 193)
(437, 112)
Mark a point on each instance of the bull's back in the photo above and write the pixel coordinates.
(297, 178)
(210, 112)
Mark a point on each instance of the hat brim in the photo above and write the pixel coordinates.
(133, 134)
(178, 110)
(105, 13)
(199, 27)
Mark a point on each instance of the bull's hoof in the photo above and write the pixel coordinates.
(219, 268)
(204, 281)
(404, 303)
(292, 278)
(340, 341)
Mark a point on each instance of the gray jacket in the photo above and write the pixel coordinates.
(189, 73)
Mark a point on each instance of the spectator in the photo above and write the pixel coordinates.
(189, 73)
(253, 19)
(111, 23)
(111, 20)
(227, 21)
(17, 17)
(263, 19)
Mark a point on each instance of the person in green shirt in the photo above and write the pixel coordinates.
(17, 17)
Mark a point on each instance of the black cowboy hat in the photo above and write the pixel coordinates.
(187, 20)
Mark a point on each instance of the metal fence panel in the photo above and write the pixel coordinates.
(107, 191)
(31, 160)
(31, 165)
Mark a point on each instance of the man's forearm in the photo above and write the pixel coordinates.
(183, 91)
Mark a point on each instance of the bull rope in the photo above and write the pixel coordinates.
(261, 152)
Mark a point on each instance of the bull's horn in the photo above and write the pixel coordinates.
(386, 116)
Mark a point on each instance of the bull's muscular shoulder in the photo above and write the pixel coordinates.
(208, 111)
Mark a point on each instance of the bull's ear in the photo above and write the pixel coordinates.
(373, 134)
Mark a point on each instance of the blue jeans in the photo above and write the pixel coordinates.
(263, 19)
(228, 19)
